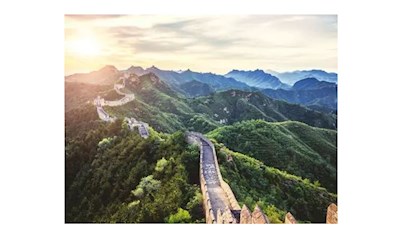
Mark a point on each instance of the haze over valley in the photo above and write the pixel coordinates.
(200, 119)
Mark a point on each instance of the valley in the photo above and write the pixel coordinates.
(277, 155)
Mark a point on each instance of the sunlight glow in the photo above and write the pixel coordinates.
(201, 43)
(86, 46)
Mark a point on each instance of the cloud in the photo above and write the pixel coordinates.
(126, 32)
(89, 17)
(145, 46)
(218, 43)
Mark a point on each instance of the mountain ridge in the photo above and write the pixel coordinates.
(292, 77)
(309, 92)
(256, 78)
(304, 156)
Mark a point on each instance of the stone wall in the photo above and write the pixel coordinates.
(226, 217)
(209, 213)
(122, 101)
(234, 214)
(331, 214)
(227, 189)
(231, 197)
(245, 215)
(258, 216)
(289, 219)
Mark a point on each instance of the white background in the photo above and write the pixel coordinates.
(32, 120)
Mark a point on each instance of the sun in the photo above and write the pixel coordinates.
(85, 46)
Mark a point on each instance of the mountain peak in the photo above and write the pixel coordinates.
(311, 83)
(294, 76)
(135, 68)
(309, 79)
(109, 68)
(256, 78)
(153, 68)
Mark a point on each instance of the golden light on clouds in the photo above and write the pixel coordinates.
(201, 43)
(86, 46)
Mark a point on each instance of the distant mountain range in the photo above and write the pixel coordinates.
(176, 79)
(105, 76)
(109, 75)
(195, 88)
(167, 108)
(295, 169)
(257, 78)
(292, 77)
(315, 89)
(235, 79)
(317, 95)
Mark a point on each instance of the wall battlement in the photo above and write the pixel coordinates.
(331, 214)
(219, 201)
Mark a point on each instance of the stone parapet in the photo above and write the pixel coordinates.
(231, 197)
(289, 219)
(331, 214)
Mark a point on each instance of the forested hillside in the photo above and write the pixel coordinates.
(168, 111)
(114, 175)
(290, 146)
(236, 105)
(275, 191)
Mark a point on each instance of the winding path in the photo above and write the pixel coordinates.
(219, 202)
(103, 115)
(218, 198)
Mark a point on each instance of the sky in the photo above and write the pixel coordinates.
(204, 43)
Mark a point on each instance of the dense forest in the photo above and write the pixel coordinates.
(114, 175)
(275, 191)
(169, 111)
(294, 147)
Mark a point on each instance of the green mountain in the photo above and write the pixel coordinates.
(160, 106)
(175, 79)
(195, 88)
(236, 105)
(114, 175)
(310, 92)
(275, 191)
(107, 75)
(294, 147)
(78, 94)
(292, 77)
(257, 78)
(168, 111)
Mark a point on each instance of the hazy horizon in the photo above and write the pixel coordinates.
(194, 70)
(214, 44)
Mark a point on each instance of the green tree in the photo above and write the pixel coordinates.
(182, 216)
(161, 164)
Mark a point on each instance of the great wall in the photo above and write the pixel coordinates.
(132, 122)
(219, 202)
